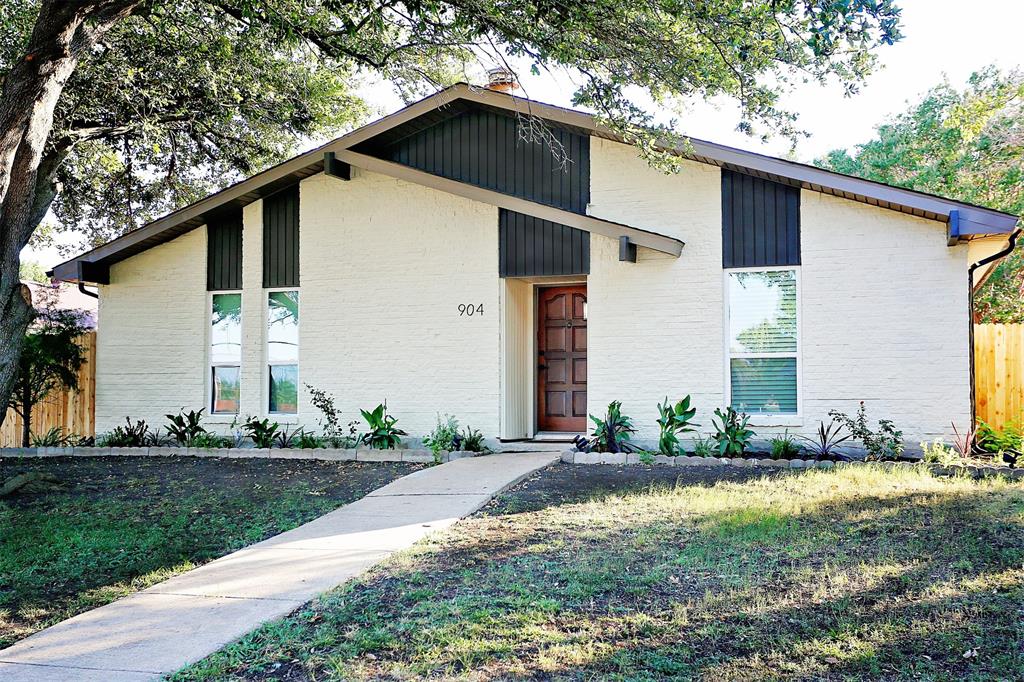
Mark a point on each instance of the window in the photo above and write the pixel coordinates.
(763, 343)
(225, 351)
(283, 351)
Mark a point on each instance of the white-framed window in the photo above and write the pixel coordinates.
(283, 351)
(763, 341)
(225, 351)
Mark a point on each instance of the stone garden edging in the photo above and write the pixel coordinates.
(421, 456)
(574, 457)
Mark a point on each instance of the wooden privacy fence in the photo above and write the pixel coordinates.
(999, 372)
(72, 411)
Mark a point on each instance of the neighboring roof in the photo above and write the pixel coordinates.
(963, 219)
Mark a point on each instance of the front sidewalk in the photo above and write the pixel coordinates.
(182, 620)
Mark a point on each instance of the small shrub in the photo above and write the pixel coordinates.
(646, 457)
(262, 432)
(702, 446)
(784, 446)
(330, 424)
(471, 440)
(185, 426)
(612, 433)
(938, 452)
(1004, 444)
(382, 433)
(674, 420)
(731, 435)
(885, 444)
(131, 435)
(444, 436)
(828, 439)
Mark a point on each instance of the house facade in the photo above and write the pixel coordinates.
(519, 267)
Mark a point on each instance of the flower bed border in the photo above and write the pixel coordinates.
(420, 456)
(574, 457)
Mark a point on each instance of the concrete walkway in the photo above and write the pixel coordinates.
(186, 618)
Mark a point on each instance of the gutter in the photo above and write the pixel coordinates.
(970, 317)
(81, 282)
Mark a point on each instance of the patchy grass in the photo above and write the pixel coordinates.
(854, 574)
(118, 525)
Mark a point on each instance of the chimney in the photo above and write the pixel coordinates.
(501, 79)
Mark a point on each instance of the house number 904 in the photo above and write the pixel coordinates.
(470, 310)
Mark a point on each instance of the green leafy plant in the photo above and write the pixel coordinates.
(131, 435)
(262, 432)
(885, 444)
(646, 457)
(382, 434)
(444, 437)
(1003, 444)
(211, 441)
(307, 440)
(612, 433)
(827, 440)
(185, 426)
(784, 446)
(54, 438)
(674, 420)
(731, 432)
(937, 452)
(471, 440)
(702, 447)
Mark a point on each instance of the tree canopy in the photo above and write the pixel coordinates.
(966, 144)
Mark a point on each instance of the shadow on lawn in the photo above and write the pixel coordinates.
(869, 586)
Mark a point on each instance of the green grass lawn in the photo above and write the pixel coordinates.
(118, 525)
(590, 573)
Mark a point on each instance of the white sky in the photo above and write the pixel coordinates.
(943, 38)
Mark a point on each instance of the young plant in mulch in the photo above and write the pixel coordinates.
(826, 442)
(330, 423)
(262, 432)
(444, 436)
(886, 444)
(784, 446)
(674, 420)
(185, 427)
(382, 434)
(611, 434)
(731, 432)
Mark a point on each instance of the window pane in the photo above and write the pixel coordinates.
(226, 332)
(225, 389)
(284, 388)
(762, 312)
(283, 326)
(764, 385)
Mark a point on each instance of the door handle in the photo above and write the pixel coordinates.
(541, 365)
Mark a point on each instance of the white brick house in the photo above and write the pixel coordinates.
(438, 259)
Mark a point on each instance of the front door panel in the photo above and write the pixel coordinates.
(562, 359)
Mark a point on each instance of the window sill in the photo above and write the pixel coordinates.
(776, 420)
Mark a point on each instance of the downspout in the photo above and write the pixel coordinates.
(970, 317)
(81, 282)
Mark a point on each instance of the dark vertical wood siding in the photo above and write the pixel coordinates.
(487, 149)
(224, 252)
(529, 247)
(281, 238)
(760, 222)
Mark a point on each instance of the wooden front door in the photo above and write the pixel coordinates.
(562, 359)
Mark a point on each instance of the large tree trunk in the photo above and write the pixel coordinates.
(64, 30)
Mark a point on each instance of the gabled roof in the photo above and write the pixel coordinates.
(963, 219)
